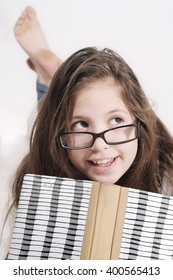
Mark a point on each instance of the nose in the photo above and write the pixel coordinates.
(99, 145)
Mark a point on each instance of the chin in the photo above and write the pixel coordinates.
(105, 179)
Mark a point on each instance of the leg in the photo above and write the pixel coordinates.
(30, 36)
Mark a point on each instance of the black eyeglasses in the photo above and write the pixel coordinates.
(114, 136)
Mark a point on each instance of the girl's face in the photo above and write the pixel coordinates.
(99, 107)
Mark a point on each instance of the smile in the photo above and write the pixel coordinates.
(102, 162)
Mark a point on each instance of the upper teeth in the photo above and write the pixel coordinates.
(103, 161)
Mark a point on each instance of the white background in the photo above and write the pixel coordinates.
(86, 269)
(139, 30)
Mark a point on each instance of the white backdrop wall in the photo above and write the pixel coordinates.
(139, 30)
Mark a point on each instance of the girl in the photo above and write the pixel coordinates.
(95, 122)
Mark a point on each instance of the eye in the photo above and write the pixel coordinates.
(79, 125)
(116, 121)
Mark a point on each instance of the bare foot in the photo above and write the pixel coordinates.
(30, 36)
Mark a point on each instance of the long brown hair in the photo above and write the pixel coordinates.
(154, 161)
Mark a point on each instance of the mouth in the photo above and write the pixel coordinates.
(102, 162)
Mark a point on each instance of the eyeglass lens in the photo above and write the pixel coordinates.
(79, 140)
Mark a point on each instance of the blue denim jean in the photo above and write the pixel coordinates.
(41, 89)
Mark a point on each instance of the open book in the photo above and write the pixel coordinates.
(61, 218)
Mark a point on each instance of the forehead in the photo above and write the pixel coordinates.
(100, 94)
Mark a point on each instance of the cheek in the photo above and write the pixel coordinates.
(130, 151)
(75, 157)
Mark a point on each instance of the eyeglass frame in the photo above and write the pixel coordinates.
(99, 135)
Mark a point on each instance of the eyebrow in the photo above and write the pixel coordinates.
(118, 111)
(79, 117)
